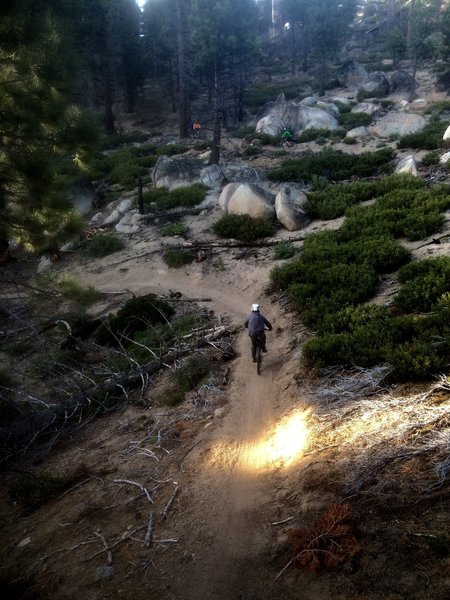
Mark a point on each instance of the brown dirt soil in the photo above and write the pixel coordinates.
(248, 461)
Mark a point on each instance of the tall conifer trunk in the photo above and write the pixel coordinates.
(183, 69)
(217, 128)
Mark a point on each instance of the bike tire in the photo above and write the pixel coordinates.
(258, 359)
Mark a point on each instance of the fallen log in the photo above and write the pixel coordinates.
(205, 244)
(21, 435)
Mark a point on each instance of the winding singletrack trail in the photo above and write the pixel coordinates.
(231, 477)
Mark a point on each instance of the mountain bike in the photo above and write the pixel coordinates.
(286, 144)
(258, 353)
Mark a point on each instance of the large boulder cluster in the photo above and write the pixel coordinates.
(253, 200)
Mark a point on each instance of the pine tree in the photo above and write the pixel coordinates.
(43, 138)
(222, 36)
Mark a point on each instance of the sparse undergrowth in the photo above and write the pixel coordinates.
(164, 199)
(177, 257)
(104, 244)
(334, 165)
(339, 271)
(243, 228)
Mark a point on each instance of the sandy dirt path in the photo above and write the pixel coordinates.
(229, 485)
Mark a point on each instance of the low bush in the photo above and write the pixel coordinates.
(350, 120)
(171, 150)
(311, 135)
(283, 249)
(424, 282)
(243, 227)
(334, 165)
(201, 145)
(125, 165)
(430, 159)
(429, 138)
(185, 379)
(414, 214)
(190, 373)
(250, 151)
(136, 315)
(177, 257)
(161, 337)
(164, 199)
(104, 244)
(414, 360)
(73, 291)
(414, 348)
(333, 200)
(174, 229)
(331, 274)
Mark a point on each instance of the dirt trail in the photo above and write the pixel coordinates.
(225, 508)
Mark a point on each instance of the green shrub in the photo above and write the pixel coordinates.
(186, 197)
(311, 135)
(332, 273)
(160, 337)
(283, 249)
(424, 284)
(334, 165)
(349, 141)
(350, 120)
(125, 165)
(185, 379)
(429, 138)
(362, 95)
(414, 214)
(250, 151)
(414, 360)
(264, 138)
(103, 245)
(136, 315)
(75, 292)
(177, 257)
(171, 149)
(202, 145)
(174, 229)
(243, 227)
(190, 373)
(430, 159)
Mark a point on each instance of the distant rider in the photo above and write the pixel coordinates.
(287, 136)
(256, 324)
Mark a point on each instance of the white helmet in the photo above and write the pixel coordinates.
(255, 307)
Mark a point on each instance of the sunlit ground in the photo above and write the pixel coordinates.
(280, 447)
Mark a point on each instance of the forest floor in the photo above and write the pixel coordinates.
(239, 464)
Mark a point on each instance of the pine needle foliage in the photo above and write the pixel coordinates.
(243, 228)
(44, 140)
(334, 165)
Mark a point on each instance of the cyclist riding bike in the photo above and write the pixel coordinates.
(286, 137)
(256, 324)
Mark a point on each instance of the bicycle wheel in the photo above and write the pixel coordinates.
(258, 359)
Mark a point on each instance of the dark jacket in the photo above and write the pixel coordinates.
(256, 323)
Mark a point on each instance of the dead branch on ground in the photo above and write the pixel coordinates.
(166, 509)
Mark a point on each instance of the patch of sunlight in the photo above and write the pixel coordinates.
(281, 447)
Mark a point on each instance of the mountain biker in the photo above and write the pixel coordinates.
(256, 323)
(286, 136)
